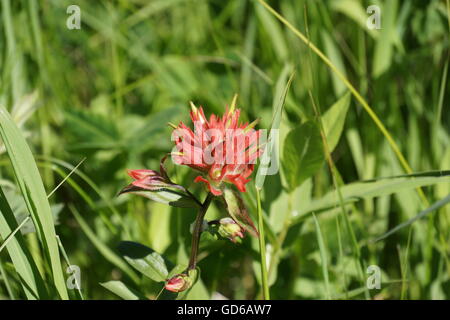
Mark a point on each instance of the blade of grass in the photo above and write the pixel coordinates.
(323, 257)
(262, 249)
(333, 170)
(11, 235)
(32, 188)
(279, 102)
(6, 280)
(21, 258)
(65, 178)
(420, 215)
(404, 268)
(352, 89)
(102, 247)
(66, 258)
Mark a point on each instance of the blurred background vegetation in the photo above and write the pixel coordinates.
(105, 93)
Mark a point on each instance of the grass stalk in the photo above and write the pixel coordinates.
(262, 248)
(352, 89)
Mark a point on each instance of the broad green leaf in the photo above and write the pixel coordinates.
(21, 258)
(334, 119)
(120, 289)
(303, 154)
(145, 260)
(32, 188)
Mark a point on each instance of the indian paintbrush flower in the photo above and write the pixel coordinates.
(222, 149)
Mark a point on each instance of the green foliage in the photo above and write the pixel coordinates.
(303, 154)
(145, 260)
(32, 188)
(107, 91)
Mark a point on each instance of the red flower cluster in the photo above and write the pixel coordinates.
(222, 149)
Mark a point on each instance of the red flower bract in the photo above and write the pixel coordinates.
(178, 283)
(222, 149)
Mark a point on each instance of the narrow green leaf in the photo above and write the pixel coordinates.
(120, 289)
(21, 258)
(375, 188)
(278, 106)
(335, 56)
(32, 188)
(171, 197)
(420, 215)
(384, 47)
(334, 119)
(323, 256)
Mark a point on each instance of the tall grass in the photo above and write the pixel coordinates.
(105, 93)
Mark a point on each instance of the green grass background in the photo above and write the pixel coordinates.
(105, 93)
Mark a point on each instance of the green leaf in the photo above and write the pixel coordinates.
(323, 257)
(21, 258)
(420, 215)
(354, 10)
(334, 119)
(169, 196)
(274, 31)
(120, 289)
(278, 106)
(303, 154)
(384, 47)
(145, 260)
(335, 56)
(32, 188)
(238, 211)
(138, 139)
(94, 130)
(375, 188)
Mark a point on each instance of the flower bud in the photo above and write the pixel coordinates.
(205, 226)
(178, 283)
(230, 229)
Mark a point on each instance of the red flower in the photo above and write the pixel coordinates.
(222, 149)
(150, 180)
(178, 283)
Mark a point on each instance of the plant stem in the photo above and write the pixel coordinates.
(196, 233)
(262, 249)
